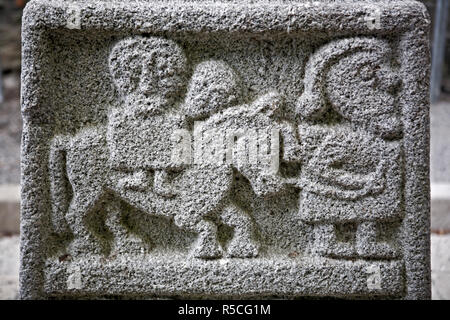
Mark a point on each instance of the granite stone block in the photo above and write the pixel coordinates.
(206, 149)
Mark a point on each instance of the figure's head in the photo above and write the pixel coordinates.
(146, 70)
(354, 77)
(214, 86)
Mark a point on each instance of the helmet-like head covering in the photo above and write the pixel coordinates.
(313, 101)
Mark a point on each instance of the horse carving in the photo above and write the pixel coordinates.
(131, 156)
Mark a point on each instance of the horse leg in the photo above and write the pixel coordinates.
(124, 241)
(84, 241)
(207, 245)
(242, 244)
(327, 244)
(367, 245)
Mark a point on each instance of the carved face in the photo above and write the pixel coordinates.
(213, 87)
(148, 72)
(159, 74)
(362, 89)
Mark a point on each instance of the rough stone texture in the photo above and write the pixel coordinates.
(440, 266)
(204, 149)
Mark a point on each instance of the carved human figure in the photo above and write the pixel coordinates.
(205, 190)
(129, 158)
(213, 96)
(250, 136)
(351, 174)
(105, 160)
(214, 86)
(149, 74)
(118, 159)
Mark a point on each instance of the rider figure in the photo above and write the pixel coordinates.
(149, 74)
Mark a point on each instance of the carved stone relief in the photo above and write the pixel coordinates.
(222, 163)
(350, 173)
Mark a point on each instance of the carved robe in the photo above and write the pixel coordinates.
(349, 176)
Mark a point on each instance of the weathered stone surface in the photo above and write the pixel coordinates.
(204, 149)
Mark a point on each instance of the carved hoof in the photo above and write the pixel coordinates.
(336, 251)
(377, 251)
(241, 249)
(80, 247)
(212, 251)
(165, 192)
(131, 245)
(137, 182)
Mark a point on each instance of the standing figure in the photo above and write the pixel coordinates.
(204, 188)
(231, 137)
(351, 162)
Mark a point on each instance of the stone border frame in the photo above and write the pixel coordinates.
(408, 20)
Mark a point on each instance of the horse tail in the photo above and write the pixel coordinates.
(60, 189)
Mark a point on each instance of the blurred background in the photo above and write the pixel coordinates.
(11, 126)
